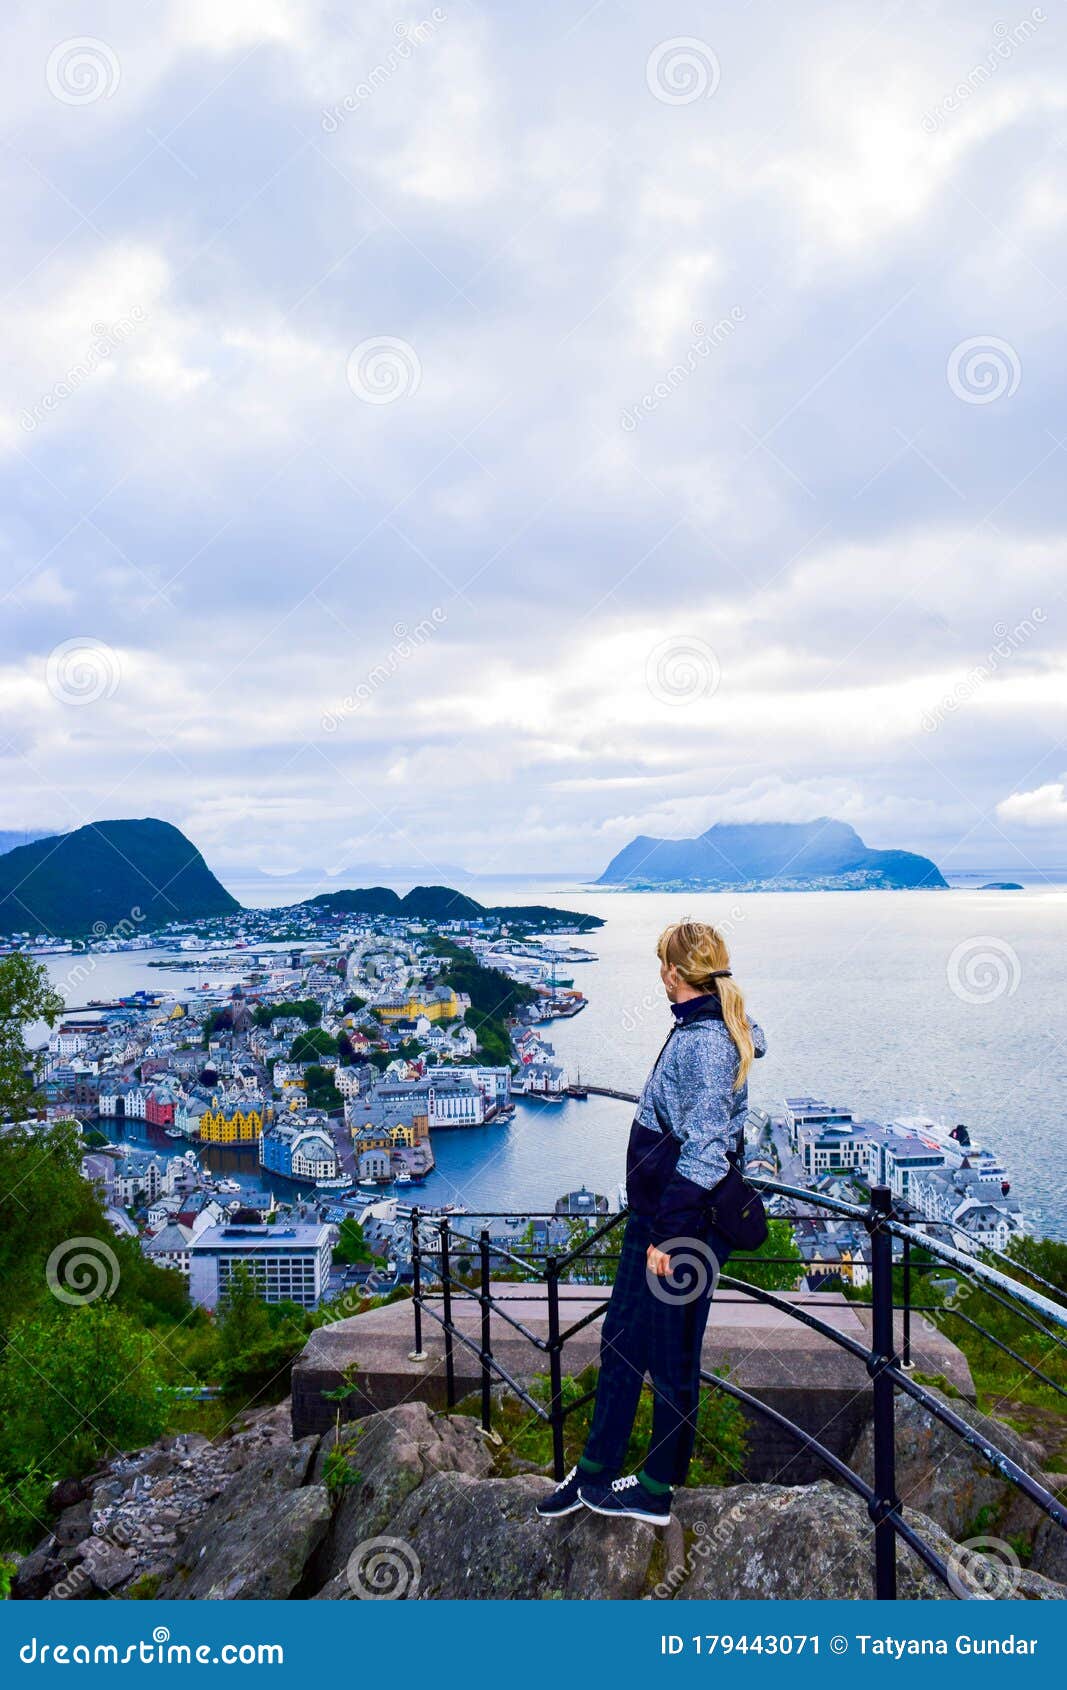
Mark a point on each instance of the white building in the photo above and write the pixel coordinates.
(314, 1156)
(494, 1083)
(453, 1101)
(287, 1263)
(170, 1247)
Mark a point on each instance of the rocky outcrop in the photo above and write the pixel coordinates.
(122, 1525)
(257, 1539)
(408, 1504)
(388, 1456)
(943, 1477)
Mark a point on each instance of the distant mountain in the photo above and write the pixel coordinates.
(754, 853)
(370, 872)
(442, 903)
(144, 873)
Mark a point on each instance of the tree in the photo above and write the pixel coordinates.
(26, 995)
(320, 1089)
(257, 1344)
(244, 1323)
(77, 1384)
(44, 1201)
(308, 1010)
(770, 1275)
(306, 1047)
(351, 1246)
(353, 1004)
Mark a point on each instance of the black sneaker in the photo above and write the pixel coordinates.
(563, 1500)
(626, 1499)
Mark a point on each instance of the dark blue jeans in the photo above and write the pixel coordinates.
(658, 1329)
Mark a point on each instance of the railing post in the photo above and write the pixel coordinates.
(555, 1368)
(885, 1486)
(486, 1351)
(446, 1299)
(905, 1262)
(418, 1353)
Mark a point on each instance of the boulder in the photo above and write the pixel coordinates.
(104, 1564)
(800, 1542)
(36, 1574)
(942, 1477)
(66, 1494)
(254, 1542)
(74, 1524)
(457, 1536)
(1050, 1551)
(258, 1554)
(816, 1543)
(393, 1452)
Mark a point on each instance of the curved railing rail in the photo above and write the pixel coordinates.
(433, 1242)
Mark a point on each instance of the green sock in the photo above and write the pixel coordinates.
(653, 1485)
(588, 1466)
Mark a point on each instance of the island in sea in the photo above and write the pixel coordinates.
(823, 855)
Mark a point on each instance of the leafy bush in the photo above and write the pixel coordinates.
(78, 1384)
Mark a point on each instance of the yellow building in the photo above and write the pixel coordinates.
(232, 1123)
(372, 1138)
(440, 1004)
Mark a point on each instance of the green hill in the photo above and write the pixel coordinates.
(443, 903)
(142, 873)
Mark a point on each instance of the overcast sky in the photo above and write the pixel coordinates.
(483, 433)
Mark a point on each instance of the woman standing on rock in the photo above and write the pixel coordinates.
(688, 1205)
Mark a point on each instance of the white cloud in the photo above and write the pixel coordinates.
(1045, 806)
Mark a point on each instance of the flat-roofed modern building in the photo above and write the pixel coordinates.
(287, 1263)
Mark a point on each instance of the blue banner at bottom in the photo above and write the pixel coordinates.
(680, 1643)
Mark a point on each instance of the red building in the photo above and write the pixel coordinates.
(159, 1107)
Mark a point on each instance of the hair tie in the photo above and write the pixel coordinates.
(719, 974)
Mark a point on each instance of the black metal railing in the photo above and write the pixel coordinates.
(433, 1252)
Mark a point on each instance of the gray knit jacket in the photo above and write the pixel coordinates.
(687, 1119)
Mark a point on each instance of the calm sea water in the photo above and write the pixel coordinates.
(947, 1004)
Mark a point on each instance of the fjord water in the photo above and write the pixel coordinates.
(861, 1000)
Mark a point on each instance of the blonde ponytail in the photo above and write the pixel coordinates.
(698, 951)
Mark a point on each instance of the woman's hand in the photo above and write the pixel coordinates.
(658, 1262)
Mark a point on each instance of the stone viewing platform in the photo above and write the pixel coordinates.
(773, 1355)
